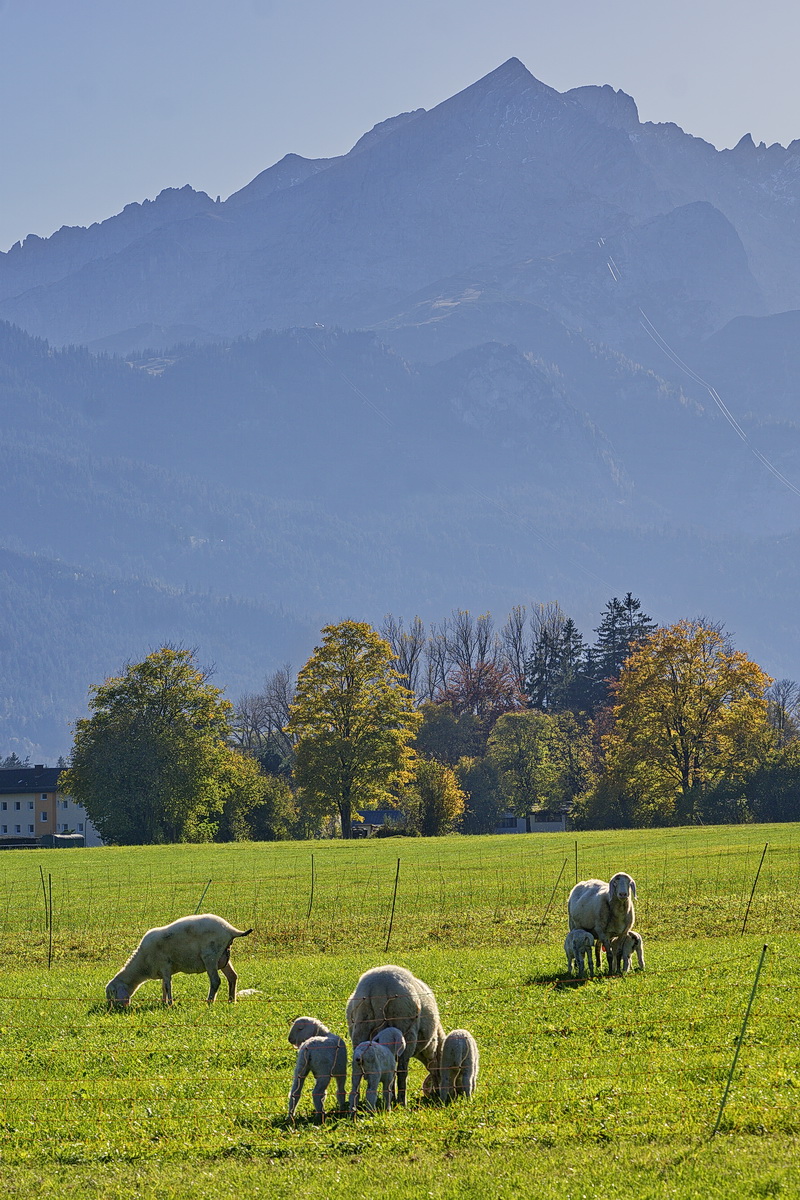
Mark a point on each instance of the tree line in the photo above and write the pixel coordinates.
(448, 727)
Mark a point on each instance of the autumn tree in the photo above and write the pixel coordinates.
(152, 763)
(690, 712)
(351, 721)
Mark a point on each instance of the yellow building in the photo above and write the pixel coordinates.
(31, 805)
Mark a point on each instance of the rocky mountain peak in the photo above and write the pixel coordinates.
(609, 107)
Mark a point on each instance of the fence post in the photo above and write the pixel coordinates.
(739, 1043)
(311, 896)
(50, 905)
(753, 890)
(202, 898)
(394, 901)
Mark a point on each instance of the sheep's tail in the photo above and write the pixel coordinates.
(242, 932)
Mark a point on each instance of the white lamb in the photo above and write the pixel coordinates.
(459, 1066)
(324, 1055)
(392, 996)
(377, 1064)
(622, 950)
(604, 909)
(578, 945)
(191, 944)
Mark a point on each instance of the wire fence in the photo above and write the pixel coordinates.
(505, 894)
(486, 925)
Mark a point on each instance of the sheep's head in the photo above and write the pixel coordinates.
(117, 992)
(622, 885)
(359, 1052)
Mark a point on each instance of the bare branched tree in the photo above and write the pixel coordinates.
(783, 709)
(408, 646)
(515, 645)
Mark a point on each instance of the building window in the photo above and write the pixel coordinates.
(44, 795)
(5, 829)
(43, 816)
(4, 805)
(80, 826)
(17, 829)
(17, 805)
(65, 803)
(31, 829)
(508, 822)
(30, 805)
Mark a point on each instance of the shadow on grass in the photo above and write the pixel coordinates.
(559, 981)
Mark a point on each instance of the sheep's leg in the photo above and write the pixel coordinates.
(300, 1072)
(341, 1096)
(445, 1083)
(388, 1090)
(569, 966)
(402, 1076)
(320, 1088)
(231, 977)
(166, 987)
(214, 982)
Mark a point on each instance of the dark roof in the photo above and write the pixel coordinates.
(28, 779)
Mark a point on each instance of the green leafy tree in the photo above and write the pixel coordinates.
(351, 722)
(542, 759)
(152, 763)
(484, 803)
(444, 736)
(275, 817)
(434, 802)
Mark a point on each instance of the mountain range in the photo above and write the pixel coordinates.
(518, 348)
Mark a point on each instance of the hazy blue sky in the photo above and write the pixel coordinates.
(105, 102)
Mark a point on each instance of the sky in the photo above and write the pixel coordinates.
(106, 102)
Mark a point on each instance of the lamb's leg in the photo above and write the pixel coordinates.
(300, 1072)
(388, 1090)
(320, 1088)
(445, 1083)
(341, 1096)
(371, 1098)
(355, 1088)
(231, 977)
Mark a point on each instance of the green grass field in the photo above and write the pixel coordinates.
(611, 1085)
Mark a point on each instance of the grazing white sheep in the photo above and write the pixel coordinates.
(377, 1064)
(324, 1055)
(459, 1066)
(392, 996)
(579, 945)
(604, 909)
(622, 950)
(191, 944)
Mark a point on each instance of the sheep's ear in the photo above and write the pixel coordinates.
(633, 888)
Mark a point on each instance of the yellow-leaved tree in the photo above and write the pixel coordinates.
(690, 713)
(351, 721)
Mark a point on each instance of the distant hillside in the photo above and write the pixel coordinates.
(521, 347)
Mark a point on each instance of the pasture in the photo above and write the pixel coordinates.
(611, 1085)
